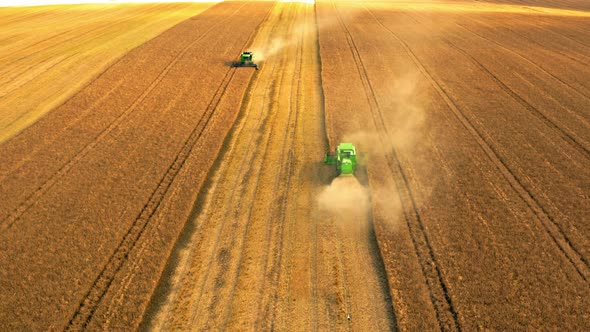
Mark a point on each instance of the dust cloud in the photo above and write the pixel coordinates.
(403, 115)
(301, 30)
(273, 47)
(346, 199)
(400, 135)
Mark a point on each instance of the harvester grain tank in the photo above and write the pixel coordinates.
(246, 60)
(344, 158)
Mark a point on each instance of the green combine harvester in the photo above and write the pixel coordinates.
(246, 60)
(344, 159)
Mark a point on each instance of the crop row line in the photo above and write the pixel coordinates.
(445, 311)
(285, 172)
(70, 39)
(10, 89)
(563, 243)
(247, 168)
(270, 222)
(102, 283)
(45, 186)
(95, 295)
(567, 135)
(315, 251)
(552, 227)
(569, 86)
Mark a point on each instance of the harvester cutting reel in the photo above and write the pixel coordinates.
(246, 60)
(344, 158)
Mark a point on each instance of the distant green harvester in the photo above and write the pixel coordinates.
(344, 159)
(246, 60)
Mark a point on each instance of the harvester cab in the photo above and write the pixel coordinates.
(246, 60)
(344, 159)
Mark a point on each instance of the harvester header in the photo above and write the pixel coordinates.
(344, 159)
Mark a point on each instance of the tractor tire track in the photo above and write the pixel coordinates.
(29, 79)
(13, 217)
(290, 206)
(278, 215)
(206, 211)
(135, 265)
(240, 260)
(120, 292)
(106, 277)
(104, 280)
(256, 228)
(446, 313)
(554, 230)
(50, 138)
(569, 136)
(20, 84)
(10, 77)
(343, 284)
(563, 35)
(574, 59)
(535, 64)
(221, 277)
(268, 225)
(247, 167)
(32, 46)
(77, 36)
(275, 87)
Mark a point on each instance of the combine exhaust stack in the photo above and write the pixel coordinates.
(246, 60)
(344, 159)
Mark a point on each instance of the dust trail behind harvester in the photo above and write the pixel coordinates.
(356, 266)
(345, 199)
(277, 44)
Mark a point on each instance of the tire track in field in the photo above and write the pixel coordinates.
(221, 277)
(248, 166)
(131, 17)
(315, 251)
(579, 147)
(286, 261)
(563, 35)
(129, 276)
(204, 209)
(116, 262)
(554, 230)
(29, 79)
(17, 17)
(80, 113)
(278, 214)
(343, 279)
(581, 62)
(10, 75)
(184, 269)
(446, 313)
(32, 46)
(569, 86)
(569, 136)
(50, 66)
(268, 236)
(78, 118)
(31, 199)
(100, 286)
(137, 263)
(268, 127)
